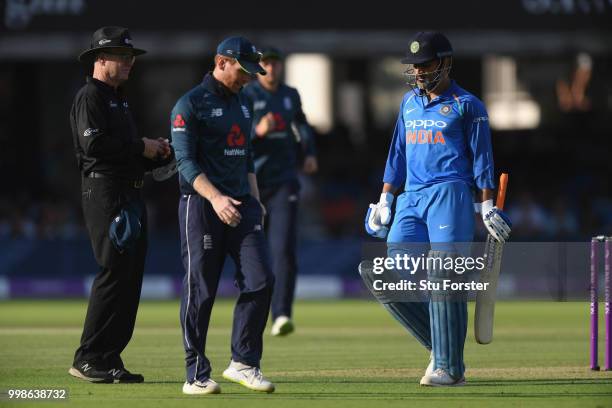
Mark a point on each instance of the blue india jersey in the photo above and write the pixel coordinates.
(445, 139)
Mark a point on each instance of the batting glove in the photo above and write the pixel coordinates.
(165, 172)
(378, 216)
(497, 222)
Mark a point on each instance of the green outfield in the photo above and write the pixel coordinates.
(344, 353)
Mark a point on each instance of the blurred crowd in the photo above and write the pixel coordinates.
(573, 206)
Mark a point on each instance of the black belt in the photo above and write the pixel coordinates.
(132, 183)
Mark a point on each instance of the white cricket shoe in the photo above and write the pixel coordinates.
(430, 367)
(201, 387)
(250, 377)
(440, 378)
(282, 326)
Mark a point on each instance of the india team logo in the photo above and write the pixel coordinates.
(445, 110)
(414, 47)
(421, 131)
(423, 136)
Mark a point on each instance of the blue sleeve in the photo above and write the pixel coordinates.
(305, 131)
(184, 139)
(395, 170)
(479, 141)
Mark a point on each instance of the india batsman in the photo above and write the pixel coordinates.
(440, 155)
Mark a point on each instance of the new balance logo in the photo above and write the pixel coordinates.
(114, 372)
(85, 367)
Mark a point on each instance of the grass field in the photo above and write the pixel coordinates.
(344, 354)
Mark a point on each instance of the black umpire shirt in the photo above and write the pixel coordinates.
(104, 134)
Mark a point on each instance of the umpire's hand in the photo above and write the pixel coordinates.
(154, 148)
(225, 208)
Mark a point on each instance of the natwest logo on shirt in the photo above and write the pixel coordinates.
(178, 124)
(280, 122)
(235, 139)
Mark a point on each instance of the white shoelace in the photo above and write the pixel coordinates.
(439, 372)
(204, 384)
(254, 374)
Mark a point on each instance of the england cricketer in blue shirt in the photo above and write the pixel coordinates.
(439, 160)
(280, 133)
(220, 214)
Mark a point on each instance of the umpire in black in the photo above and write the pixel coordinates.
(112, 159)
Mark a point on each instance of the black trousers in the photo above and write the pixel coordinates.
(115, 293)
(281, 203)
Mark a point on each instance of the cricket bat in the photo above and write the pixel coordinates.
(485, 300)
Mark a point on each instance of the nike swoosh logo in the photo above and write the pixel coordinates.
(410, 110)
(444, 226)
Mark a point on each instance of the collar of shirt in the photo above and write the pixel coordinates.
(258, 85)
(211, 84)
(444, 96)
(448, 94)
(103, 86)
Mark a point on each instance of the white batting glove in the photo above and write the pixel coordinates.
(497, 222)
(379, 216)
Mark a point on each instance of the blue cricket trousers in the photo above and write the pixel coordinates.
(205, 242)
(281, 204)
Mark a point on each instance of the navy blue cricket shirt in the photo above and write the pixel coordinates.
(210, 129)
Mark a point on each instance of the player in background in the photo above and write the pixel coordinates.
(439, 159)
(280, 136)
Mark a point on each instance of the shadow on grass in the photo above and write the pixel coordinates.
(527, 382)
(470, 382)
(352, 396)
(164, 382)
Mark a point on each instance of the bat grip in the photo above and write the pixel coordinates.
(501, 192)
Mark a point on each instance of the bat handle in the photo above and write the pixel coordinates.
(501, 192)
